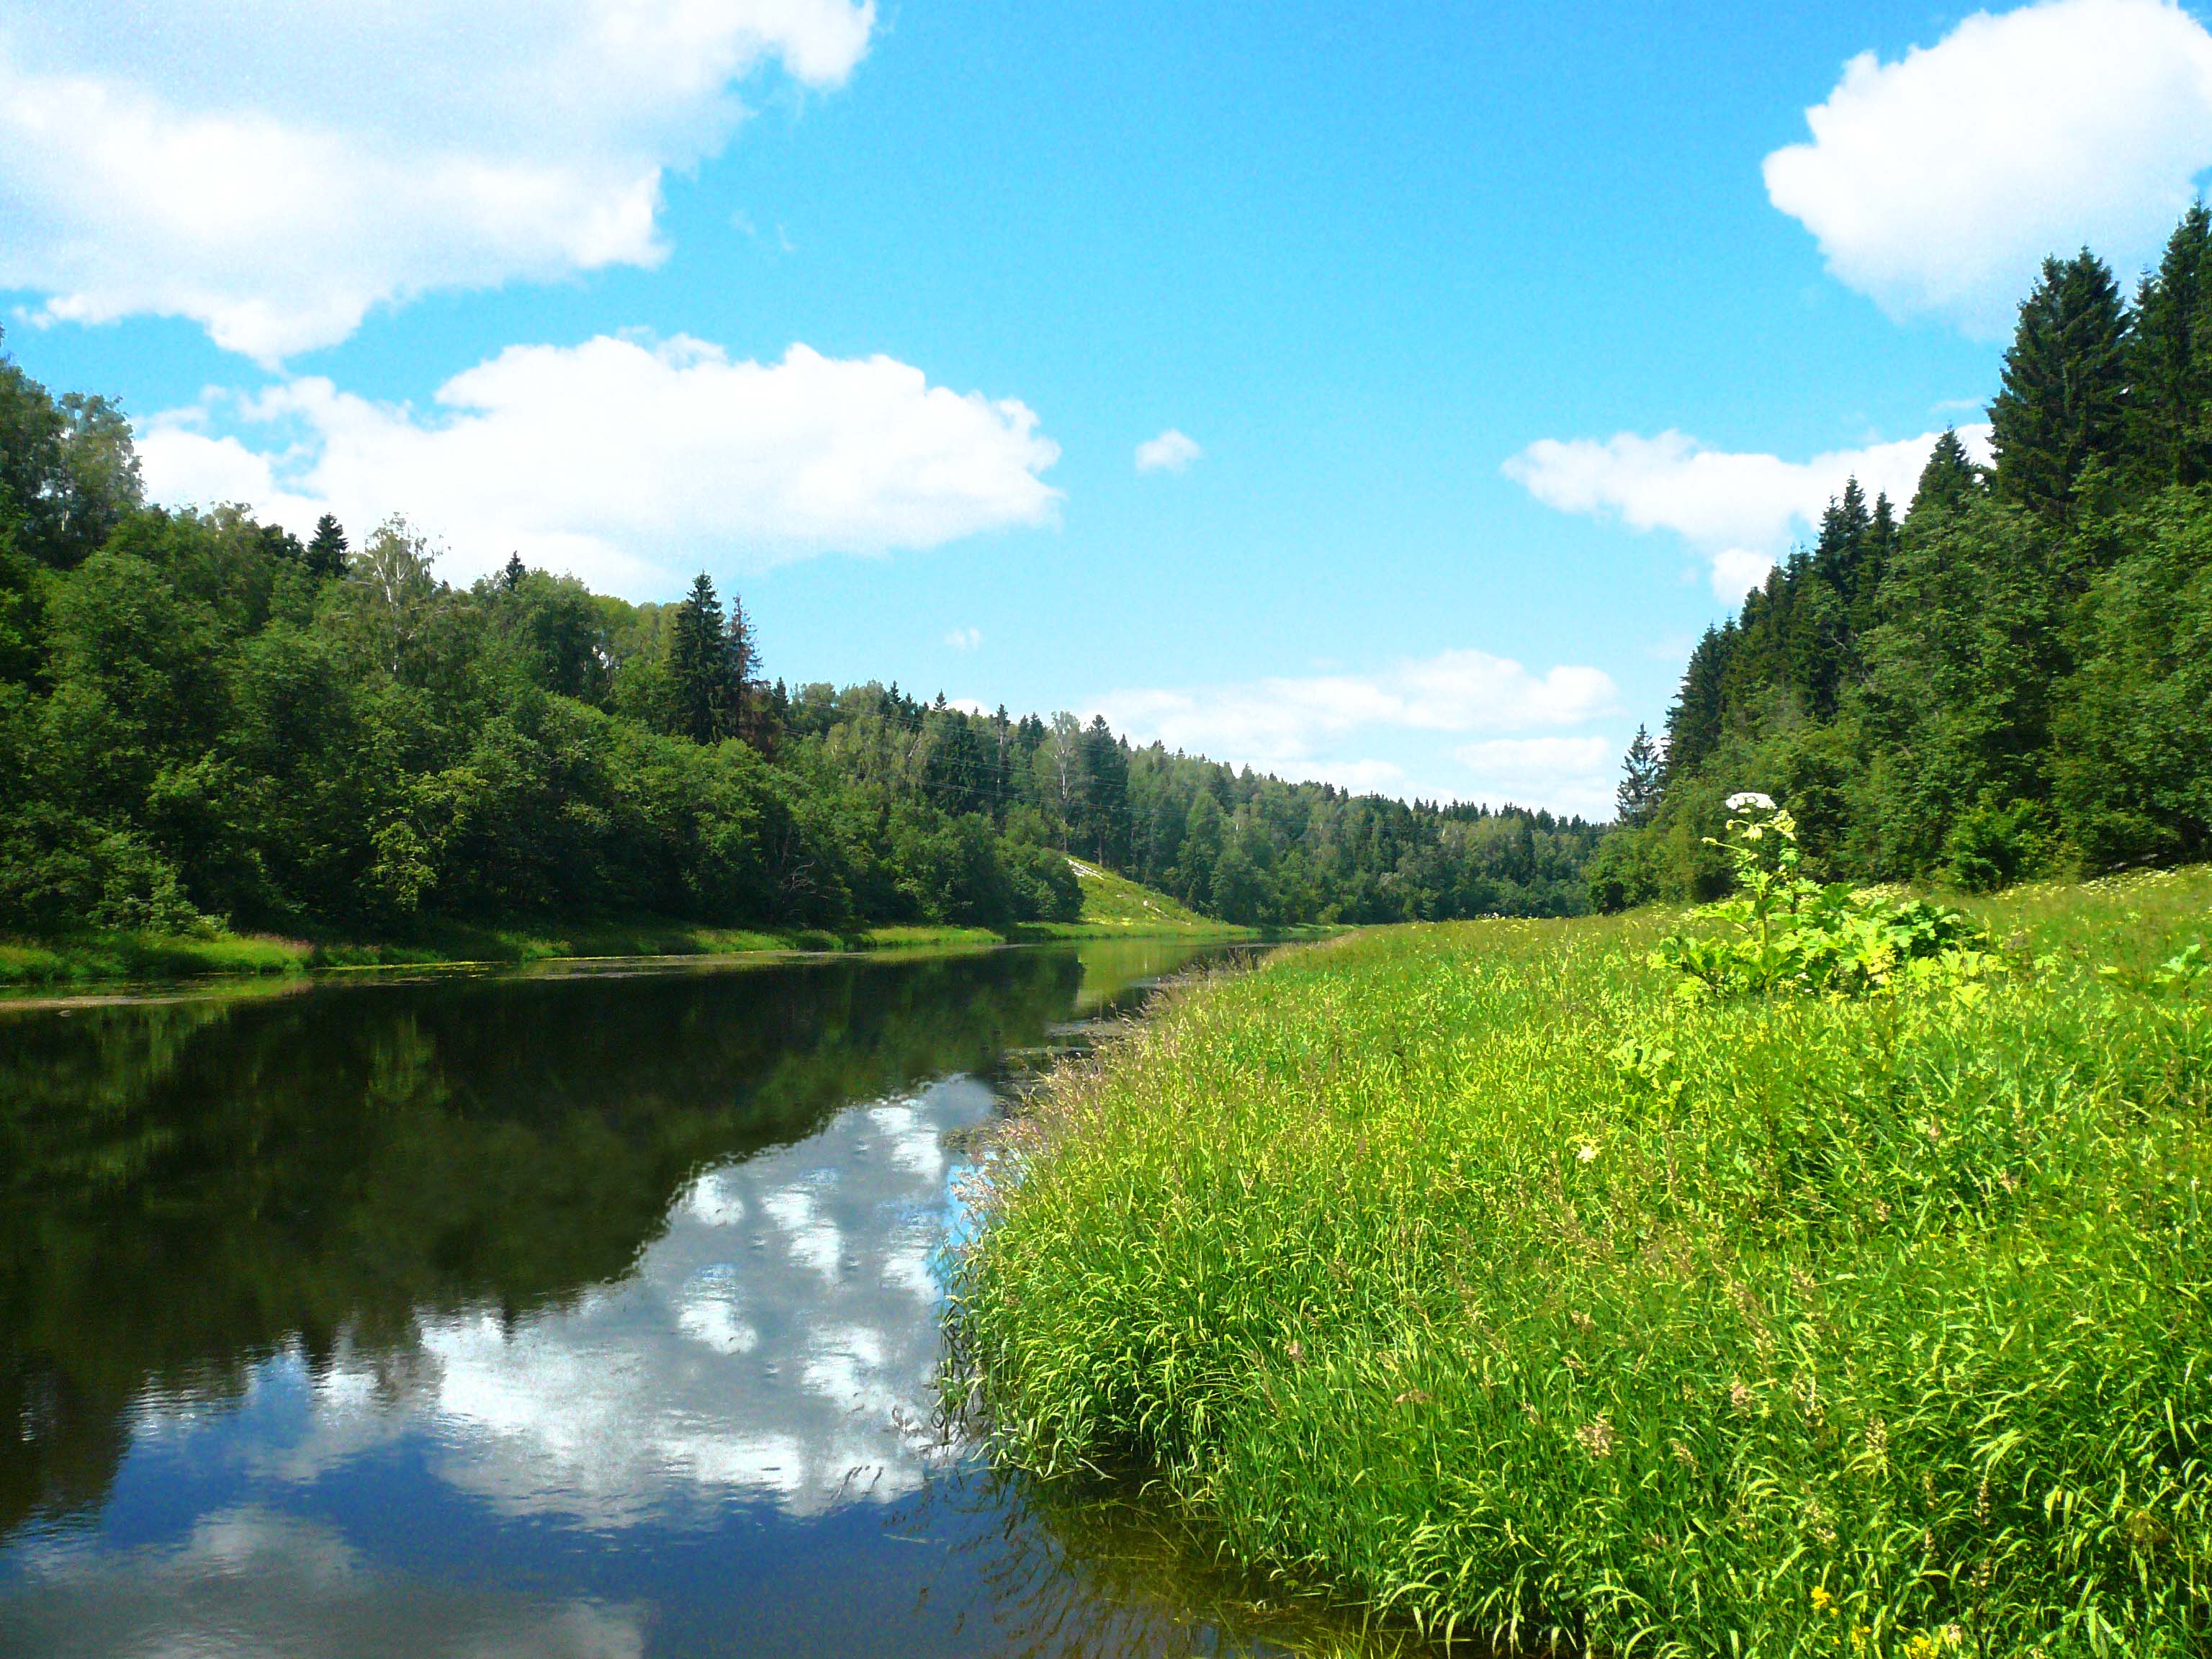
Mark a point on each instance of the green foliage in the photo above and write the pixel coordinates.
(1643, 780)
(2064, 401)
(205, 723)
(1787, 935)
(1469, 1273)
(2011, 684)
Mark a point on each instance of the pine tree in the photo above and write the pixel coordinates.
(510, 577)
(1949, 478)
(1694, 723)
(326, 549)
(1643, 777)
(1875, 562)
(699, 666)
(2064, 401)
(2170, 360)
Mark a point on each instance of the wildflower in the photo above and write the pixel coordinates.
(1748, 799)
(1586, 1154)
(1822, 1601)
(1596, 1436)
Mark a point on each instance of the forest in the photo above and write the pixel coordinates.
(2009, 678)
(207, 724)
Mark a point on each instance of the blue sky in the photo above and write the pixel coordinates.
(1505, 354)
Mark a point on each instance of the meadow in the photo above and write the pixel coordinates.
(1475, 1273)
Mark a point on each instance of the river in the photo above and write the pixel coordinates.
(591, 1314)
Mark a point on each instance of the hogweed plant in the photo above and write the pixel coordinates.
(1787, 934)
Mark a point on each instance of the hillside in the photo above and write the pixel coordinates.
(1116, 903)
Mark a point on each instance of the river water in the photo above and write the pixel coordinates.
(593, 1316)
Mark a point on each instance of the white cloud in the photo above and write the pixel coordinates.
(1327, 726)
(1737, 570)
(272, 171)
(1573, 774)
(1281, 720)
(965, 639)
(1740, 510)
(630, 462)
(1171, 452)
(251, 1579)
(1937, 184)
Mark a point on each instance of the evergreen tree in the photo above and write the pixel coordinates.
(744, 671)
(1695, 722)
(700, 684)
(1643, 778)
(510, 577)
(2064, 401)
(1105, 793)
(1949, 478)
(2170, 360)
(326, 549)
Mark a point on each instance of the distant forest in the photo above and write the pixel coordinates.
(2014, 678)
(208, 723)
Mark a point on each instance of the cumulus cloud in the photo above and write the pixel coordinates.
(628, 462)
(1327, 726)
(1573, 774)
(1937, 184)
(1285, 719)
(1171, 452)
(1739, 509)
(965, 639)
(273, 170)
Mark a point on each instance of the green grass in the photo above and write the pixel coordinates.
(1466, 1272)
(1114, 906)
(94, 958)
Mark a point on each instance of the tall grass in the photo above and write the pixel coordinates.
(125, 956)
(1467, 1272)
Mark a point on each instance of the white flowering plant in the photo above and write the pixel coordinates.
(1785, 933)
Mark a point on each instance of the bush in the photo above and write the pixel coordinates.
(1789, 934)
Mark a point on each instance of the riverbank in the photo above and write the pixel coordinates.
(1469, 1272)
(1113, 908)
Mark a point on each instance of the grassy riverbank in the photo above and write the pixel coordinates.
(1113, 908)
(1469, 1271)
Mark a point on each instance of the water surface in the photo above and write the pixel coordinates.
(587, 1315)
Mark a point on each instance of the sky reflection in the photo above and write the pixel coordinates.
(777, 1342)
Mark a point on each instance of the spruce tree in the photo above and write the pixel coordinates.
(2170, 360)
(1949, 478)
(1642, 776)
(1694, 723)
(1881, 552)
(2063, 401)
(510, 577)
(699, 666)
(326, 549)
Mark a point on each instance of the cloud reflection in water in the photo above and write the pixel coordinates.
(778, 1341)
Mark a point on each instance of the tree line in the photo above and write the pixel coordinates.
(2014, 677)
(207, 722)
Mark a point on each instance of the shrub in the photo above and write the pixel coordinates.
(1790, 935)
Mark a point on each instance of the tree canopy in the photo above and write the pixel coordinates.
(206, 722)
(2012, 680)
